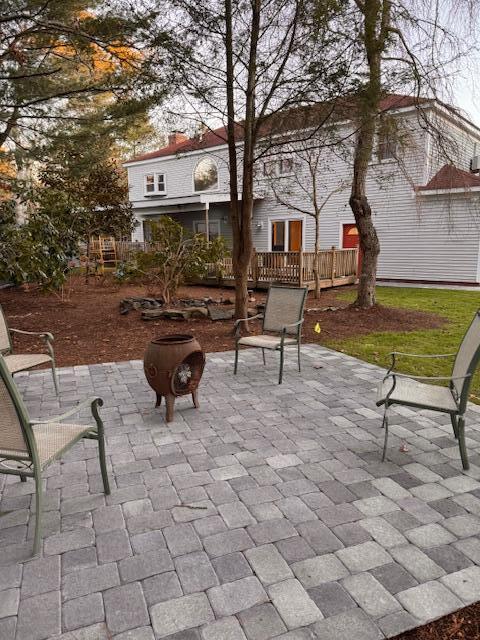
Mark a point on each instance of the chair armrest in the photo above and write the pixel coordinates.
(293, 324)
(413, 377)
(42, 334)
(259, 315)
(393, 355)
(422, 355)
(236, 326)
(94, 402)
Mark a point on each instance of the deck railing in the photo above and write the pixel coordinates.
(335, 266)
(296, 267)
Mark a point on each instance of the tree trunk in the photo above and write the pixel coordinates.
(376, 17)
(241, 212)
(370, 249)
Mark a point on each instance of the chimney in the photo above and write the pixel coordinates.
(176, 137)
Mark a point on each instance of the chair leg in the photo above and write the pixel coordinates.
(54, 376)
(280, 376)
(263, 355)
(385, 426)
(461, 442)
(103, 462)
(454, 425)
(298, 356)
(38, 515)
(236, 361)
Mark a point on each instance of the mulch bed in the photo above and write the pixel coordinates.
(88, 328)
(461, 625)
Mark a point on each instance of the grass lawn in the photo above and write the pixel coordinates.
(456, 307)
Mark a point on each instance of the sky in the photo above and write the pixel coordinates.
(466, 94)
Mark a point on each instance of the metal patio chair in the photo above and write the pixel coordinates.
(27, 446)
(411, 391)
(283, 319)
(24, 361)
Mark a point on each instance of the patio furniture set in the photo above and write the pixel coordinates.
(28, 447)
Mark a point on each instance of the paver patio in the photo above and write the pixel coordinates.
(265, 514)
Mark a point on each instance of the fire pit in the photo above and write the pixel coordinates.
(173, 367)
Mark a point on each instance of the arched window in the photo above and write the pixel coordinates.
(205, 175)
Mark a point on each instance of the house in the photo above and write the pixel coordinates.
(423, 185)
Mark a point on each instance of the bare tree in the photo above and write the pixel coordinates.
(408, 44)
(243, 64)
(308, 184)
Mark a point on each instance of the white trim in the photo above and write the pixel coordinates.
(155, 192)
(442, 192)
(195, 191)
(341, 222)
(285, 217)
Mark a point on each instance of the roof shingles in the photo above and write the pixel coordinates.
(451, 177)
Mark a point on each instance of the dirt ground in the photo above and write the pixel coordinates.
(88, 327)
(461, 625)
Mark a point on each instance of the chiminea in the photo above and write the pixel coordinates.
(173, 367)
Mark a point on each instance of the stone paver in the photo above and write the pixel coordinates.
(429, 600)
(183, 613)
(39, 617)
(268, 564)
(266, 513)
(345, 626)
(371, 596)
(232, 597)
(261, 622)
(294, 604)
(125, 607)
(363, 557)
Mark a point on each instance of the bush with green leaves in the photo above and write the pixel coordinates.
(178, 256)
(37, 251)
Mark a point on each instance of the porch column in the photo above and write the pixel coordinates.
(207, 222)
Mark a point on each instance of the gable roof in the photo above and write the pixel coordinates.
(451, 177)
(298, 117)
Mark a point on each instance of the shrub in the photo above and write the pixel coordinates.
(178, 256)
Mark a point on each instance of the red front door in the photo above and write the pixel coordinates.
(351, 240)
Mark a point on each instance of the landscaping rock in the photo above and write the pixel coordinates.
(219, 313)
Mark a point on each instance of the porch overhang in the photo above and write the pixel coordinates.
(193, 202)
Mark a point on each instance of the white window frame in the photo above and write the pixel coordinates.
(210, 223)
(156, 191)
(286, 217)
(218, 176)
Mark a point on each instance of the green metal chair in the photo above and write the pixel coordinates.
(27, 446)
(22, 362)
(283, 319)
(411, 391)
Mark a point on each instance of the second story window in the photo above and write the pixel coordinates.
(280, 167)
(155, 184)
(386, 145)
(205, 175)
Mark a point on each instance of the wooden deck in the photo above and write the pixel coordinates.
(336, 266)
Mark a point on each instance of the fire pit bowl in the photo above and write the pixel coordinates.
(173, 367)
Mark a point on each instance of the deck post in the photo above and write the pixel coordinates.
(300, 268)
(334, 264)
(254, 267)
